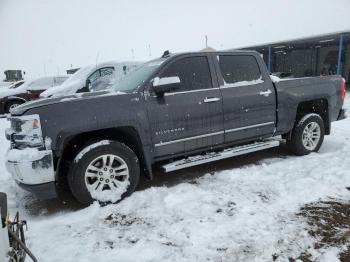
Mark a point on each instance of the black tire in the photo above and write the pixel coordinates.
(295, 144)
(12, 104)
(76, 173)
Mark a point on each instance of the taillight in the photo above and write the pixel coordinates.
(342, 89)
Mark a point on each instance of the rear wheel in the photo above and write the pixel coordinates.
(307, 135)
(105, 171)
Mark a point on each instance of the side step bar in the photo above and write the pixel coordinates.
(214, 156)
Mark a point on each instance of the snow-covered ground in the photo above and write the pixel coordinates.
(244, 213)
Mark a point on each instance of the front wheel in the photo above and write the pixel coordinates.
(105, 171)
(307, 135)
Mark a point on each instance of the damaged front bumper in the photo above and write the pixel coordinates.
(34, 172)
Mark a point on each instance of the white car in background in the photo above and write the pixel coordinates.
(5, 84)
(92, 78)
(12, 85)
(21, 92)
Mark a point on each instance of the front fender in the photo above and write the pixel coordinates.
(68, 118)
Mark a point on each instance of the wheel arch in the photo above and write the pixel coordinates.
(127, 135)
(318, 106)
(13, 99)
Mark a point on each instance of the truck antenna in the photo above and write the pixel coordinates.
(166, 54)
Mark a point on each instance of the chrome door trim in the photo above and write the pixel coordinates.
(248, 127)
(212, 134)
(189, 91)
(188, 138)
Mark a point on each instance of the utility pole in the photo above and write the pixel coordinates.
(149, 50)
(206, 41)
(97, 56)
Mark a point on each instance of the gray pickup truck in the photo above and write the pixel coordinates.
(180, 110)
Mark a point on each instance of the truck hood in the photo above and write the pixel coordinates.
(20, 110)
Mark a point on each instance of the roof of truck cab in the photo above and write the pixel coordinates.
(213, 52)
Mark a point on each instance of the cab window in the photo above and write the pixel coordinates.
(193, 72)
(238, 68)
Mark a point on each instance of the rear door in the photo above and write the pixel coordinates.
(249, 100)
(190, 118)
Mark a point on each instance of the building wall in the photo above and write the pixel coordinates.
(346, 64)
(328, 58)
(300, 62)
(309, 57)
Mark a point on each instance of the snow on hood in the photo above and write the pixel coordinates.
(12, 91)
(68, 88)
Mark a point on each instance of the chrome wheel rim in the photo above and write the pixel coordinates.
(311, 135)
(107, 178)
(13, 106)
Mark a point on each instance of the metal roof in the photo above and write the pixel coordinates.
(323, 39)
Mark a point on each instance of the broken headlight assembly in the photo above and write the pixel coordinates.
(25, 130)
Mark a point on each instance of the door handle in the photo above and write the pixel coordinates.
(265, 93)
(211, 99)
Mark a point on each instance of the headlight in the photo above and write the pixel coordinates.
(25, 130)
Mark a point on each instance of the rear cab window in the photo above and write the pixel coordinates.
(239, 70)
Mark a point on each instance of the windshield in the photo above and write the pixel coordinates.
(80, 74)
(137, 77)
(25, 85)
(15, 85)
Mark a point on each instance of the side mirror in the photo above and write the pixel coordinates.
(165, 84)
(86, 87)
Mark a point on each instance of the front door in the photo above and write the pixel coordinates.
(191, 117)
(249, 100)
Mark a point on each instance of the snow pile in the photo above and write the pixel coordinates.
(113, 195)
(240, 214)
